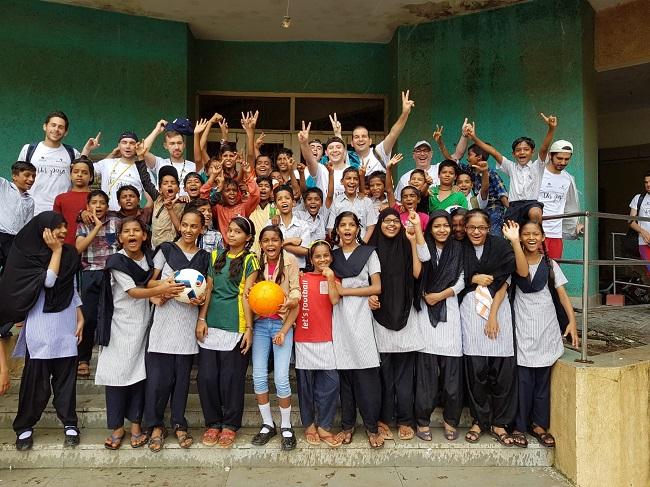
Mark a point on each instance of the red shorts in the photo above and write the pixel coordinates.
(554, 247)
(644, 251)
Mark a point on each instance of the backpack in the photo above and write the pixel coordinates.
(32, 147)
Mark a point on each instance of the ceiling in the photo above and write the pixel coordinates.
(623, 89)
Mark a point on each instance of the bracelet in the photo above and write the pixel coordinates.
(201, 319)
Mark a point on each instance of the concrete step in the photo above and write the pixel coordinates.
(91, 409)
(48, 452)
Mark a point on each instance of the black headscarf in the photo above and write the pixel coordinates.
(177, 260)
(397, 282)
(440, 274)
(24, 274)
(351, 266)
(497, 260)
(123, 263)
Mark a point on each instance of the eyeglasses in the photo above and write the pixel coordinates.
(473, 228)
(391, 221)
(422, 150)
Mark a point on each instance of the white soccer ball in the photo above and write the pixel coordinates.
(194, 282)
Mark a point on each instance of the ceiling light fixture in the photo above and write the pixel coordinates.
(286, 20)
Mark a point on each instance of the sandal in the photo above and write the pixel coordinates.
(376, 440)
(311, 435)
(384, 430)
(83, 370)
(113, 442)
(156, 442)
(139, 440)
(451, 433)
(545, 439)
(347, 436)
(405, 432)
(227, 438)
(520, 439)
(211, 436)
(185, 440)
(502, 437)
(424, 435)
(472, 436)
(333, 441)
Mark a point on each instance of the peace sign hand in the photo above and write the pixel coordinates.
(336, 125)
(303, 135)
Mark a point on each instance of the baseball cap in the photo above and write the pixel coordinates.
(128, 134)
(561, 146)
(420, 143)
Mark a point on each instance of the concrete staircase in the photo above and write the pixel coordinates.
(48, 451)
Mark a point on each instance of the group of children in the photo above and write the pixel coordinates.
(396, 301)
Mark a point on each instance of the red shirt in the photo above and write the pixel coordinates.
(314, 323)
(69, 204)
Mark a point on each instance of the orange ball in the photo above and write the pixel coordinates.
(265, 298)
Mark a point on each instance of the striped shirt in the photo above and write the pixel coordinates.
(362, 207)
(49, 335)
(539, 340)
(525, 180)
(17, 208)
(174, 323)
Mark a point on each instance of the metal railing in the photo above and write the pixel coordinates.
(586, 262)
(620, 257)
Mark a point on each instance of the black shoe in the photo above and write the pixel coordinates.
(25, 443)
(288, 442)
(71, 440)
(263, 438)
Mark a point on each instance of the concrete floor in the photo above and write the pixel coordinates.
(286, 477)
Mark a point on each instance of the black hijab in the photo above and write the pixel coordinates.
(440, 274)
(351, 266)
(123, 263)
(397, 281)
(497, 260)
(24, 274)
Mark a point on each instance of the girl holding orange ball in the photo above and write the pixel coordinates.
(225, 332)
(275, 330)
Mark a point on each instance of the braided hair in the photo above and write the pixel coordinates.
(237, 264)
(547, 259)
(336, 238)
(280, 276)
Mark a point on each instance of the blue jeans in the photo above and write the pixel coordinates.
(263, 332)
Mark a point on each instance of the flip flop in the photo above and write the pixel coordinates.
(451, 435)
(333, 441)
(312, 437)
(139, 440)
(347, 436)
(374, 440)
(424, 435)
(113, 442)
(384, 430)
(405, 433)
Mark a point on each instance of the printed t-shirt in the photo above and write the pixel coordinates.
(314, 323)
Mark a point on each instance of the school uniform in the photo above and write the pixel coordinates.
(490, 365)
(172, 343)
(439, 364)
(525, 182)
(318, 380)
(47, 302)
(355, 349)
(122, 335)
(222, 366)
(362, 207)
(539, 341)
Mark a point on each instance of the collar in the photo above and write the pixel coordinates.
(292, 223)
(343, 196)
(23, 194)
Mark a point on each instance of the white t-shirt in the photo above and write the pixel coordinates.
(115, 174)
(52, 174)
(183, 168)
(553, 193)
(374, 163)
(322, 178)
(525, 180)
(404, 180)
(645, 211)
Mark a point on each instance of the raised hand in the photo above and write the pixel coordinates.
(93, 142)
(438, 132)
(141, 150)
(259, 142)
(363, 167)
(551, 120)
(414, 218)
(223, 125)
(466, 126)
(394, 160)
(303, 135)
(470, 130)
(160, 126)
(407, 104)
(200, 126)
(336, 125)
(481, 166)
(216, 118)
(511, 231)
(330, 168)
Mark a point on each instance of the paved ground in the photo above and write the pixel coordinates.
(617, 328)
(287, 477)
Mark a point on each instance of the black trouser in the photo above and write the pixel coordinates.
(318, 394)
(360, 387)
(397, 371)
(492, 390)
(40, 378)
(534, 397)
(438, 380)
(90, 287)
(221, 381)
(5, 245)
(124, 402)
(168, 381)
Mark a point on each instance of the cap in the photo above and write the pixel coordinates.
(181, 125)
(561, 146)
(420, 143)
(128, 134)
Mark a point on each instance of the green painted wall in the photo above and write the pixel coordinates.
(107, 71)
(300, 67)
(501, 68)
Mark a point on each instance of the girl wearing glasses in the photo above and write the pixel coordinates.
(486, 323)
